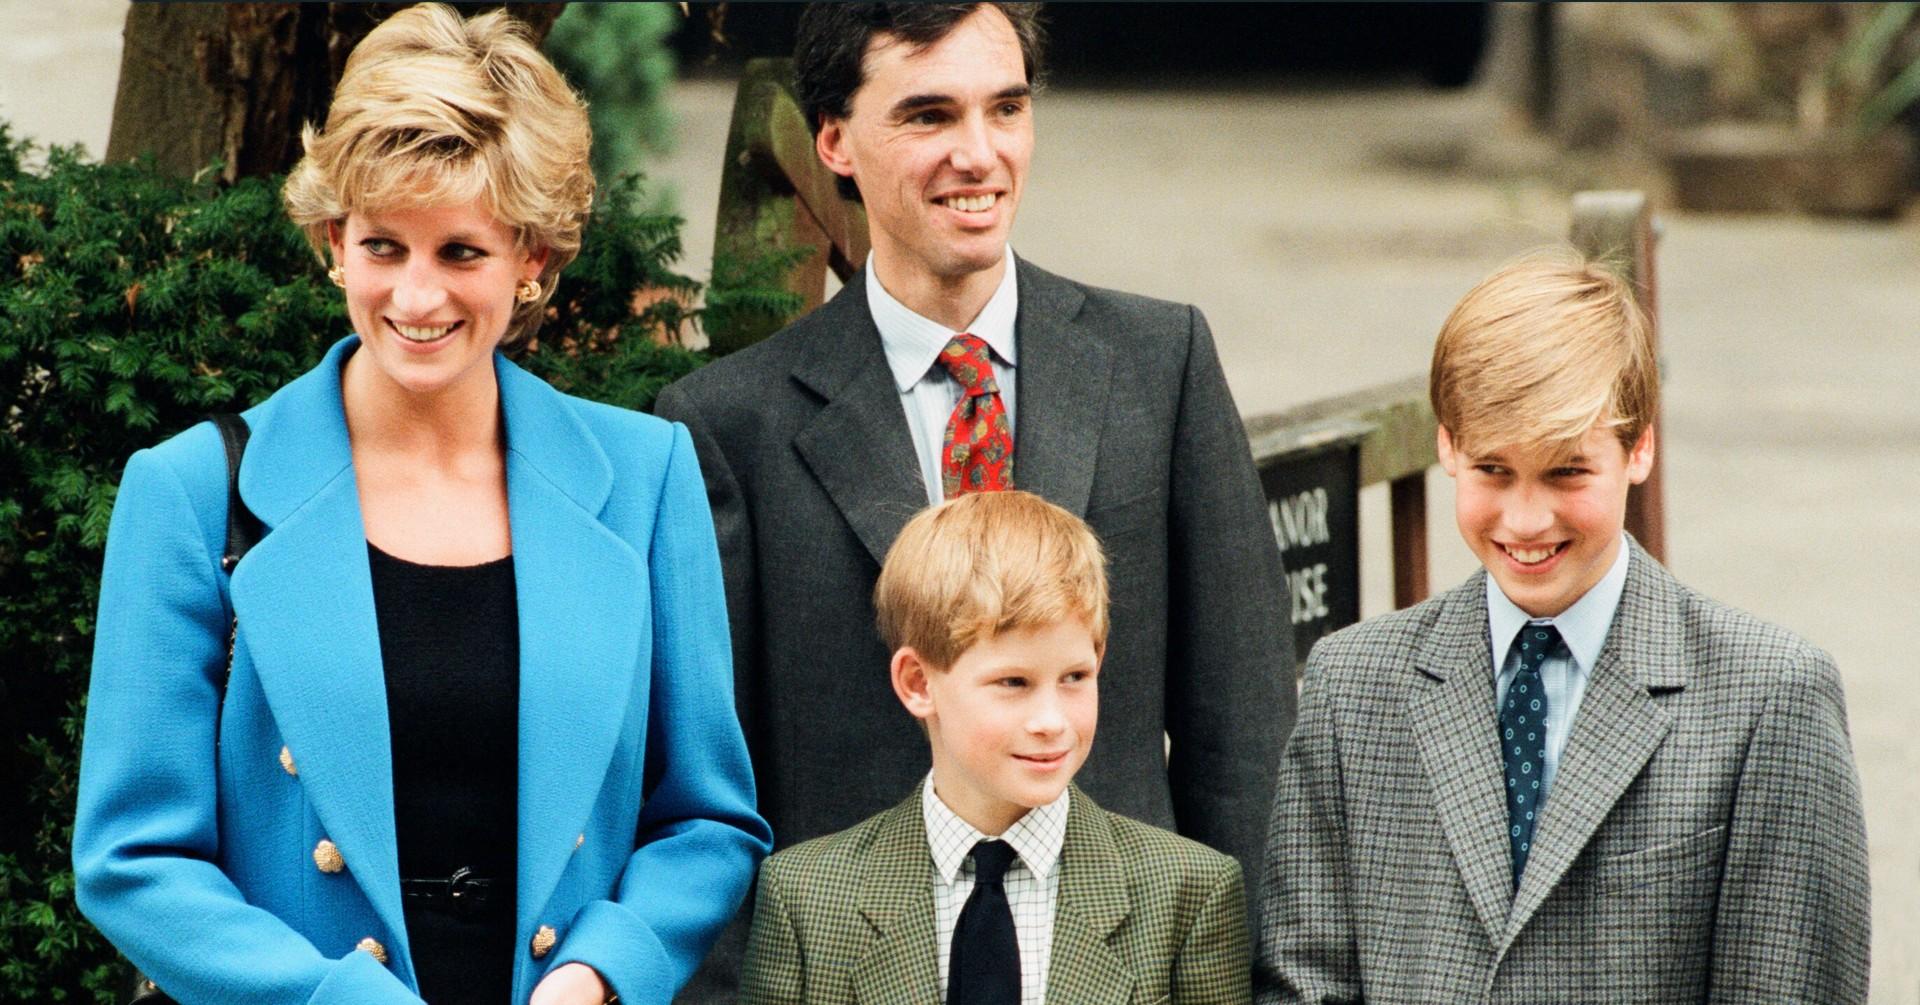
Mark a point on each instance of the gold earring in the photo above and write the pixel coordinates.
(338, 275)
(527, 291)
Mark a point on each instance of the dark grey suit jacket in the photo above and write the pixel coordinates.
(1702, 842)
(1124, 418)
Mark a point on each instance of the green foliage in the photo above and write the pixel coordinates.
(132, 304)
(1891, 101)
(620, 309)
(1866, 60)
(616, 54)
(747, 299)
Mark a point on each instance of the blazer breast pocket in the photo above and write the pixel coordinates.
(1696, 856)
(1144, 511)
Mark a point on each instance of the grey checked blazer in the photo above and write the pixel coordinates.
(1702, 842)
(1143, 917)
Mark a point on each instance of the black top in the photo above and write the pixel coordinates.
(450, 643)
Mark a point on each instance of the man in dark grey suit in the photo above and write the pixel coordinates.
(819, 443)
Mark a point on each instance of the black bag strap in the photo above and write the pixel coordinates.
(243, 528)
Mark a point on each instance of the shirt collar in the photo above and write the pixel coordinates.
(1583, 627)
(913, 342)
(1036, 837)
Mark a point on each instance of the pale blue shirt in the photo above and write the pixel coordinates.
(1583, 627)
(927, 392)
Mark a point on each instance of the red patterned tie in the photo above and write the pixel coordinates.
(978, 453)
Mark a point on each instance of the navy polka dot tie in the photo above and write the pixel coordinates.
(1523, 739)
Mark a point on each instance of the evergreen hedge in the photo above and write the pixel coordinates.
(617, 55)
(133, 304)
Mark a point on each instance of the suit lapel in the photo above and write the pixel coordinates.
(895, 900)
(858, 446)
(1615, 732)
(1453, 727)
(1092, 904)
(581, 593)
(1063, 376)
(305, 597)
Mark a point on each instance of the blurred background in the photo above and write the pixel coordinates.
(1324, 181)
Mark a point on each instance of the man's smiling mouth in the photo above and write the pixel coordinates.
(971, 203)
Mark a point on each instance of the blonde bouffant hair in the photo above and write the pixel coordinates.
(987, 563)
(435, 109)
(1540, 352)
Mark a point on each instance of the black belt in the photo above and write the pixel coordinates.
(462, 894)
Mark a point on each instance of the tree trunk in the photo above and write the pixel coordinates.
(234, 83)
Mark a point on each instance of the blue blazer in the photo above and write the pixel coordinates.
(195, 841)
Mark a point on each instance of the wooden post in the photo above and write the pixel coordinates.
(1542, 66)
(1407, 502)
(775, 195)
(1394, 428)
(1618, 227)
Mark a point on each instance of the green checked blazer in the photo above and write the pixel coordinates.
(1144, 917)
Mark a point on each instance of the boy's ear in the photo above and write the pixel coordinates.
(1443, 445)
(830, 143)
(910, 682)
(1640, 458)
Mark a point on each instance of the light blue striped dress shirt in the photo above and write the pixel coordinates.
(927, 392)
(1583, 627)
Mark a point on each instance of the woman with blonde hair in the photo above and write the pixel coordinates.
(460, 725)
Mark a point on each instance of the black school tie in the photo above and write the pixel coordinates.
(984, 967)
(1523, 740)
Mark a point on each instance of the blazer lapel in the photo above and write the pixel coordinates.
(1453, 727)
(582, 594)
(895, 900)
(305, 598)
(305, 595)
(1092, 904)
(858, 446)
(1063, 377)
(1615, 732)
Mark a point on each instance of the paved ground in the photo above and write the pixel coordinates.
(1791, 348)
(59, 63)
(1791, 352)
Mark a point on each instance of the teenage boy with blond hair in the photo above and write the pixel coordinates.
(1571, 779)
(997, 880)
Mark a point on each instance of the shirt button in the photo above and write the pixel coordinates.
(543, 941)
(286, 761)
